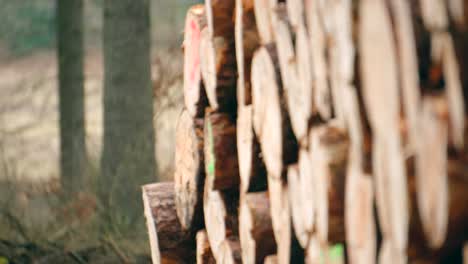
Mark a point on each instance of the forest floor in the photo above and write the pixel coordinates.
(29, 156)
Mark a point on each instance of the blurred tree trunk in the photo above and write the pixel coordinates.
(128, 159)
(73, 160)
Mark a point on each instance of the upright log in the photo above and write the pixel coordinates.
(221, 163)
(167, 237)
(204, 254)
(194, 92)
(189, 175)
(255, 227)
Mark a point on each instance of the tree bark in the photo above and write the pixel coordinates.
(219, 68)
(166, 235)
(128, 148)
(247, 41)
(189, 175)
(73, 156)
(221, 164)
(255, 227)
(328, 150)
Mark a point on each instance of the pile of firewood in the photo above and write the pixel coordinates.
(312, 126)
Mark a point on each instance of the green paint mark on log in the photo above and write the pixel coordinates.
(336, 252)
(212, 158)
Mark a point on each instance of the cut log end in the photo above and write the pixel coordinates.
(194, 95)
(204, 254)
(255, 227)
(251, 167)
(230, 252)
(189, 172)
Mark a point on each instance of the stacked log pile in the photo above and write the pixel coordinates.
(318, 131)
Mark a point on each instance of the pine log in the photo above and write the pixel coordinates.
(302, 197)
(322, 95)
(218, 55)
(255, 227)
(189, 175)
(247, 41)
(317, 253)
(251, 167)
(194, 92)
(313, 251)
(272, 259)
(444, 53)
(329, 146)
(219, 15)
(230, 252)
(221, 217)
(288, 249)
(431, 172)
(279, 146)
(295, 75)
(408, 67)
(442, 59)
(263, 20)
(166, 235)
(299, 208)
(296, 13)
(360, 224)
(219, 70)
(220, 148)
(338, 21)
(381, 98)
(204, 254)
(263, 70)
